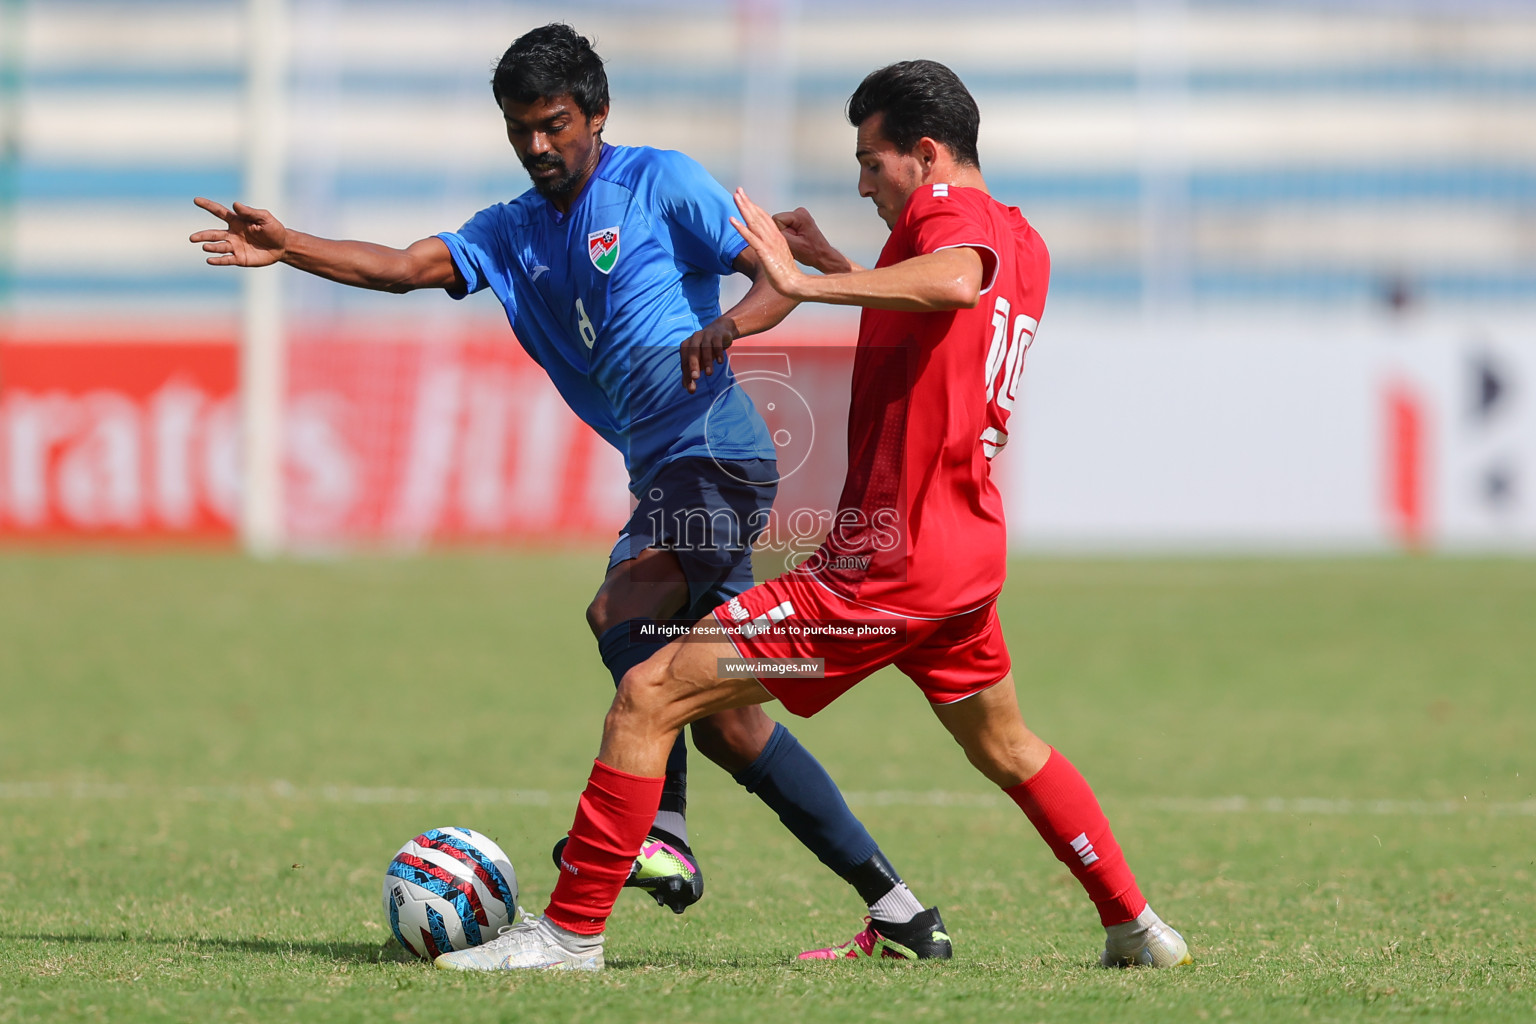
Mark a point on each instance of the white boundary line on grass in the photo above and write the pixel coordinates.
(272, 791)
(1339, 808)
(342, 794)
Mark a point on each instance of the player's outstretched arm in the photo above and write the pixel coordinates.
(761, 308)
(948, 279)
(254, 238)
(809, 246)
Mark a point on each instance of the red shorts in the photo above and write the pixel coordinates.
(795, 617)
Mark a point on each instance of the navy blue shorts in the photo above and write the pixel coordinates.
(709, 514)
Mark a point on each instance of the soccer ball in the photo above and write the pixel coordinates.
(448, 889)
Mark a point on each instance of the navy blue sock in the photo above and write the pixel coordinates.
(788, 779)
(623, 647)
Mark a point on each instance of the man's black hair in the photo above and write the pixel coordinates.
(919, 98)
(548, 62)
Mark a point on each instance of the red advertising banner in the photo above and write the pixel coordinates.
(118, 440)
(395, 442)
(410, 442)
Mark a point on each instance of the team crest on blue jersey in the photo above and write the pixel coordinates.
(603, 247)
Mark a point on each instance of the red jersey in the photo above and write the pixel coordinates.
(919, 529)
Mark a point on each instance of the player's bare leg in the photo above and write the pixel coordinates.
(762, 756)
(677, 685)
(655, 700)
(1059, 803)
(653, 586)
(636, 597)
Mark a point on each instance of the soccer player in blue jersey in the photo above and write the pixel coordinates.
(609, 270)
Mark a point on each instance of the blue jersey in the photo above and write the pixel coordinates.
(601, 298)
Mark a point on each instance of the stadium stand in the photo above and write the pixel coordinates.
(1338, 153)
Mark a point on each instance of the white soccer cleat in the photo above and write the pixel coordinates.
(1144, 942)
(527, 945)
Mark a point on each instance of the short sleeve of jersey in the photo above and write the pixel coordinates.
(479, 252)
(696, 212)
(937, 219)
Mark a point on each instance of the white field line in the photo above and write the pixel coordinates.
(340, 794)
(272, 791)
(1321, 806)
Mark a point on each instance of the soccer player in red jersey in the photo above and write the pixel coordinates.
(915, 559)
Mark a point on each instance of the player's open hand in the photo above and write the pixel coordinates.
(772, 250)
(704, 348)
(250, 237)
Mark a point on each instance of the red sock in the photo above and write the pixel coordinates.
(1062, 807)
(612, 818)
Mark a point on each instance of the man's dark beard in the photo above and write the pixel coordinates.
(557, 187)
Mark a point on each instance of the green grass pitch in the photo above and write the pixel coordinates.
(205, 764)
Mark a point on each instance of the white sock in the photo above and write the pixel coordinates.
(673, 822)
(571, 942)
(1132, 934)
(896, 907)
